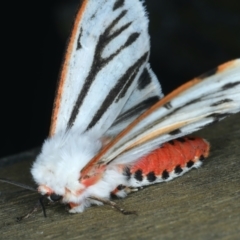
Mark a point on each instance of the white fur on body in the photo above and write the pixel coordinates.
(57, 170)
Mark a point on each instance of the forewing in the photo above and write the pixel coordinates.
(204, 100)
(147, 92)
(107, 52)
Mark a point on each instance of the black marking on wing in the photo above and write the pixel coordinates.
(175, 132)
(168, 105)
(138, 175)
(132, 38)
(118, 4)
(137, 109)
(178, 169)
(230, 85)
(79, 45)
(119, 90)
(190, 163)
(209, 73)
(189, 103)
(165, 174)
(202, 158)
(144, 79)
(151, 177)
(218, 116)
(221, 102)
(99, 62)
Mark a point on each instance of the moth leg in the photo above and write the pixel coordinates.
(132, 189)
(122, 191)
(113, 205)
(34, 209)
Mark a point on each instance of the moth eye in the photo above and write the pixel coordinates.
(54, 197)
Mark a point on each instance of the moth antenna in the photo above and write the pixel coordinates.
(18, 184)
(114, 205)
(42, 205)
(35, 208)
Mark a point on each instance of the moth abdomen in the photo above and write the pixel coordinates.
(171, 160)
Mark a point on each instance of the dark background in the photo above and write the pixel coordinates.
(188, 37)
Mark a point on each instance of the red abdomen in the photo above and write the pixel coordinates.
(172, 159)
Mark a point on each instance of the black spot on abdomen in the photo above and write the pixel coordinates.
(178, 169)
(138, 175)
(127, 172)
(151, 177)
(165, 174)
(190, 163)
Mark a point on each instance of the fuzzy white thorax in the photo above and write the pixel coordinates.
(62, 158)
(58, 166)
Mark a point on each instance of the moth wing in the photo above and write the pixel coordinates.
(147, 92)
(107, 52)
(200, 102)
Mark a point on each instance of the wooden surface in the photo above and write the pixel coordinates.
(203, 204)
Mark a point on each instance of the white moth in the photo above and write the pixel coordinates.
(110, 116)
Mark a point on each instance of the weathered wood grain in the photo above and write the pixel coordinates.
(203, 204)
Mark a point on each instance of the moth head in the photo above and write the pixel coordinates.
(57, 169)
(53, 197)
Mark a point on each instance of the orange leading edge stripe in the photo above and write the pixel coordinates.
(64, 70)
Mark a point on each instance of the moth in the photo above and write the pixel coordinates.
(112, 130)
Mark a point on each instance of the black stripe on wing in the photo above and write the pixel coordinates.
(136, 110)
(230, 85)
(79, 45)
(146, 94)
(119, 90)
(118, 4)
(144, 80)
(99, 62)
